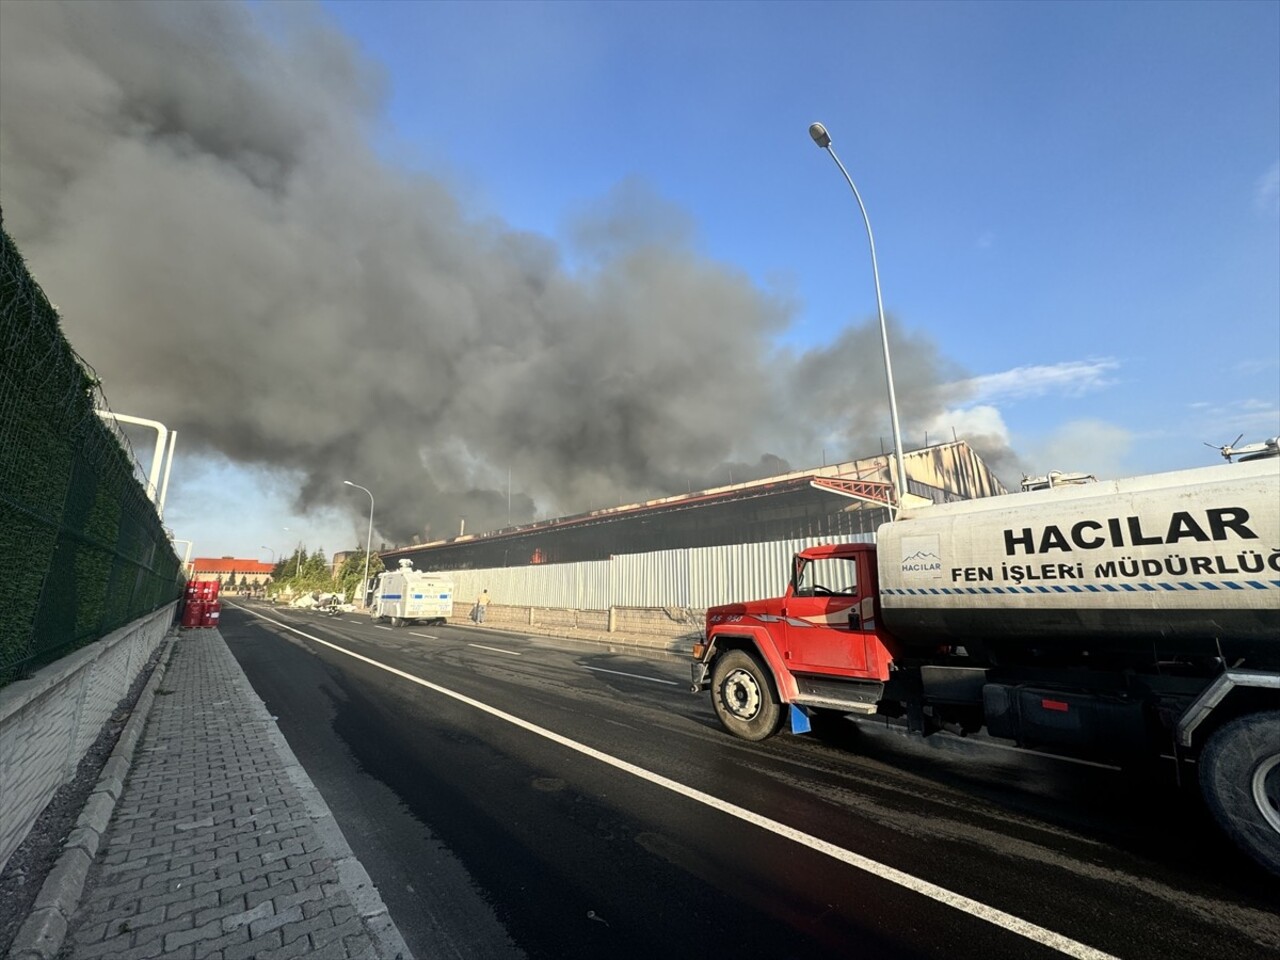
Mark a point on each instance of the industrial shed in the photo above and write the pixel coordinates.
(839, 500)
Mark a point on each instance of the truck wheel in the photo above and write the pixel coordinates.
(1240, 780)
(396, 622)
(744, 698)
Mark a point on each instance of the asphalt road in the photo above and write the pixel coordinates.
(515, 796)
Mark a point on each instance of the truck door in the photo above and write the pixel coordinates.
(823, 618)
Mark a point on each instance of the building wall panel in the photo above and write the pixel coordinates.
(695, 578)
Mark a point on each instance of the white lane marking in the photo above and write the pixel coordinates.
(376, 627)
(957, 901)
(635, 675)
(510, 653)
(426, 635)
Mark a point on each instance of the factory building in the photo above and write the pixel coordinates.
(834, 501)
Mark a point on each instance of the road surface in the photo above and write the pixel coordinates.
(516, 796)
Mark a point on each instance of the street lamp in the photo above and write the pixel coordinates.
(823, 139)
(273, 553)
(368, 543)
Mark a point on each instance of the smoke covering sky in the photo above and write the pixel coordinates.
(252, 238)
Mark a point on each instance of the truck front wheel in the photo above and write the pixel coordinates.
(1240, 779)
(744, 698)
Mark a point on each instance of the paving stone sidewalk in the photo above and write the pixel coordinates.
(219, 845)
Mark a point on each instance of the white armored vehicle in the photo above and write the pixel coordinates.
(407, 596)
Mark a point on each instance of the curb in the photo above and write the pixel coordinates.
(43, 933)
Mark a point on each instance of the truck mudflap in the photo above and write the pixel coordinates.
(799, 720)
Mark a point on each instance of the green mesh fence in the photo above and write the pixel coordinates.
(82, 550)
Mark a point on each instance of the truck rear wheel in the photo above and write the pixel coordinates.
(1240, 779)
(744, 698)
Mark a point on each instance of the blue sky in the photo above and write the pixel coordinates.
(1076, 204)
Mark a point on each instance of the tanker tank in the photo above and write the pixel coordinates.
(1171, 565)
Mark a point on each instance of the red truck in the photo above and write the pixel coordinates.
(1118, 621)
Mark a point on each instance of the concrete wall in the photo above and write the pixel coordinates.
(652, 622)
(659, 621)
(48, 723)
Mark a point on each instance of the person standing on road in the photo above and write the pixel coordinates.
(481, 602)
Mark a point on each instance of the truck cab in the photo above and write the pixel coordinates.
(817, 646)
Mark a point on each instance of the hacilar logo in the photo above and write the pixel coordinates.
(921, 557)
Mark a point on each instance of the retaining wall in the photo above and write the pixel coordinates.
(48, 722)
(655, 622)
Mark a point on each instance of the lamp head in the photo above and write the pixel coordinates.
(820, 135)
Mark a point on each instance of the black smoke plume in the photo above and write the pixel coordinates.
(195, 189)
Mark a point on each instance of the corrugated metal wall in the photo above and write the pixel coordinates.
(696, 578)
(580, 586)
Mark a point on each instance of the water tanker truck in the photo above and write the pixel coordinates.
(1118, 621)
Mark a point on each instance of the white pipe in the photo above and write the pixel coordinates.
(157, 459)
(168, 465)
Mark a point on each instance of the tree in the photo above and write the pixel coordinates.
(351, 573)
(289, 573)
(317, 568)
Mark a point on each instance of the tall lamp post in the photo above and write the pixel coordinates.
(368, 542)
(823, 139)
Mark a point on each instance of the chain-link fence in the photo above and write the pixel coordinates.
(82, 549)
